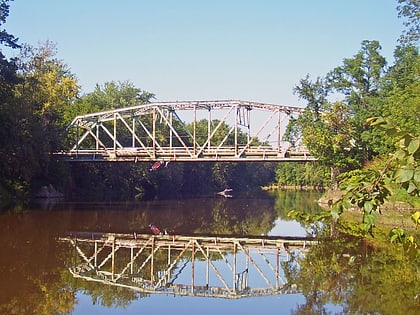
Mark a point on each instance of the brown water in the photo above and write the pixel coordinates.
(338, 276)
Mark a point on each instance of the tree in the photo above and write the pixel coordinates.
(410, 11)
(7, 67)
(326, 129)
(32, 117)
(112, 95)
(402, 90)
(49, 88)
(335, 132)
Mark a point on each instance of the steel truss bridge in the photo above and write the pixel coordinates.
(223, 267)
(230, 131)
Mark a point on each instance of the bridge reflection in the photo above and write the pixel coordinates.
(209, 266)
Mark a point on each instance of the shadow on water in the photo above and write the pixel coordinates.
(341, 275)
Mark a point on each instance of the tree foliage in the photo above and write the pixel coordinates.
(372, 134)
(409, 11)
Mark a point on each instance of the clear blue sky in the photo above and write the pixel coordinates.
(253, 50)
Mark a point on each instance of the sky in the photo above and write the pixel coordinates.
(253, 50)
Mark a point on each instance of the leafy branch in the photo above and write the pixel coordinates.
(369, 188)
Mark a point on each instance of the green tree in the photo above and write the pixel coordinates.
(402, 91)
(409, 10)
(335, 132)
(359, 79)
(49, 88)
(112, 95)
(8, 79)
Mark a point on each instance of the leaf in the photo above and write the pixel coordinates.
(394, 236)
(403, 175)
(411, 187)
(397, 234)
(416, 217)
(413, 146)
(375, 121)
(335, 213)
(417, 175)
(399, 154)
(370, 219)
(368, 206)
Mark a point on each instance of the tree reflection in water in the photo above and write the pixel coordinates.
(361, 278)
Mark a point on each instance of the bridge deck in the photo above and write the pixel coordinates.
(224, 154)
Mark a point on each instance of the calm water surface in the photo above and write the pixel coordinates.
(335, 277)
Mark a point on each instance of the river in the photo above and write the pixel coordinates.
(215, 256)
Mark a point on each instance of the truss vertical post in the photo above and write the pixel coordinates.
(246, 278)
(278, 132)
(248, 113)
(236, 129)
(152, 262)
(168, 274)
(277, 267)
(170, 129)
(192, 266)
(96, 254)
(234, 267)
(131, 259)
(113, 258)
(77, 139)
(97, 137)
(133, 139)
(209, 128)
(154, 131)
(194, 130)
(207, 267)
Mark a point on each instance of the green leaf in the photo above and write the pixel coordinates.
(397, 234)
(393, 237)
(370, 219)
(411, 187)
(375, 121)
(335, 213)
(404, 174)
(399, 154)
(368, 206)
(417, 175)
(416, 217)
(413, 146)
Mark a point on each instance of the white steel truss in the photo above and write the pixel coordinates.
(156, 132)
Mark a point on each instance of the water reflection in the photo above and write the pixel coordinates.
(340, 275)
(362, 278)
(224, 267)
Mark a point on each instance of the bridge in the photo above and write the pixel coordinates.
(210, 266)
(229, 131)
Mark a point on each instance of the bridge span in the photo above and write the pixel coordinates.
(221, 130)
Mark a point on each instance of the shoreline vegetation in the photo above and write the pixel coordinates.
(394, 213)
